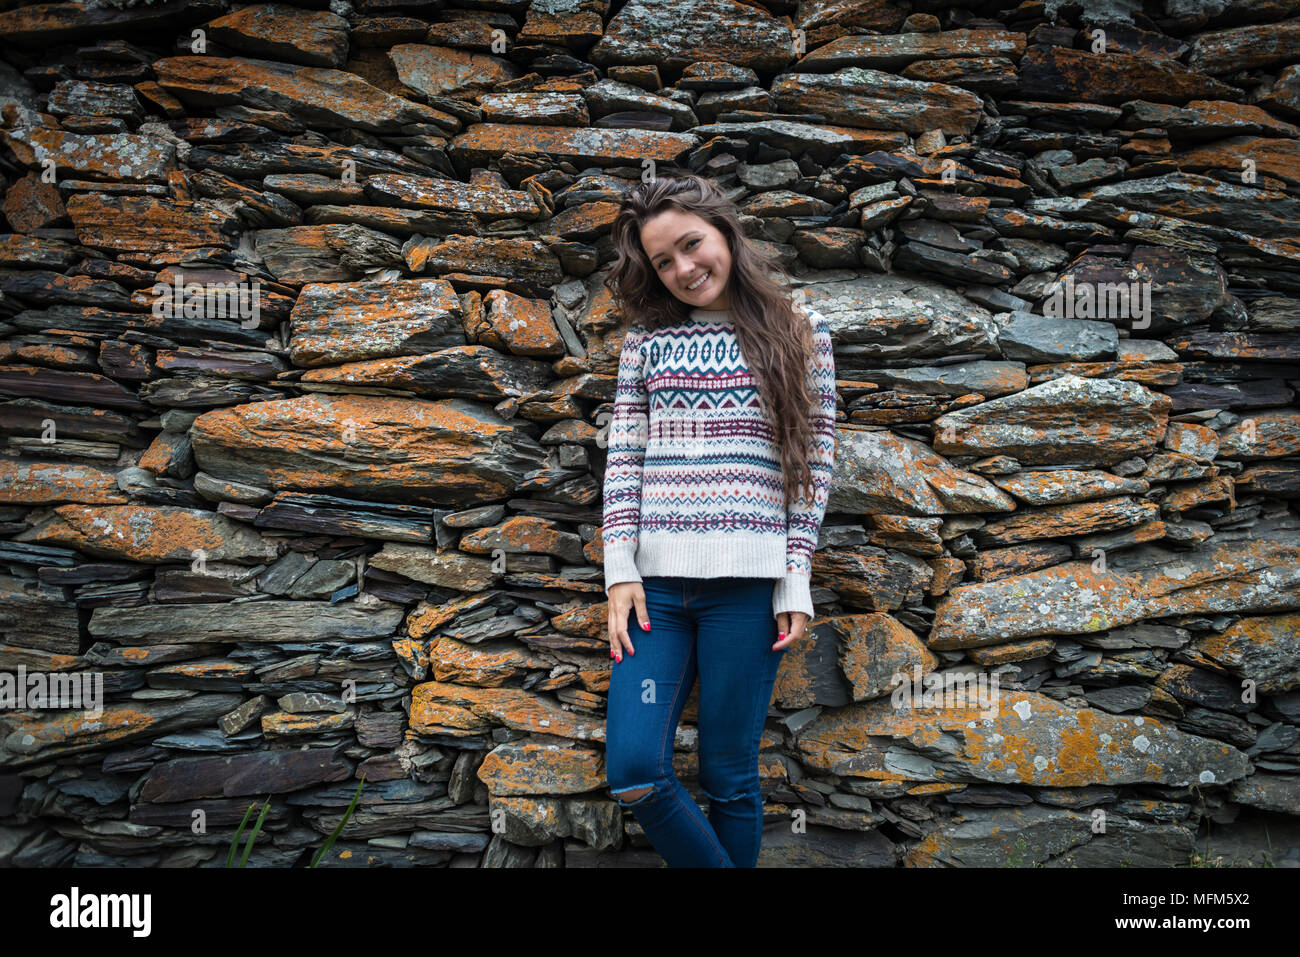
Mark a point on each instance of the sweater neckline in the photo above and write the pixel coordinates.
(711, 315)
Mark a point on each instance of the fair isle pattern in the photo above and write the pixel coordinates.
(693, 482)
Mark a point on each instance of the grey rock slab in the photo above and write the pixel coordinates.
(678, 35)
(336, 322)
(1033, 338)
(1067, 421)
(1052, 837)
(445, 452)
(1258, 571)
(273, 772)
(987, 377)
(1058, 486)
(888, 317)
(323, 579)
(883, 472)
(258, 621)
(31, 738)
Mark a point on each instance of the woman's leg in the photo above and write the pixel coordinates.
(737, 671)
(647, 692)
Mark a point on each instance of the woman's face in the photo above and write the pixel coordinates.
(682, 249)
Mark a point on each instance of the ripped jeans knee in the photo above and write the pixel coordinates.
(633, 795)
(744, 794)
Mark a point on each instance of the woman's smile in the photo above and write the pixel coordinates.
(699, 282)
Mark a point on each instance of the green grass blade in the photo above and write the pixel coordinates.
(234, 844)
(248, 848)
(338, 829)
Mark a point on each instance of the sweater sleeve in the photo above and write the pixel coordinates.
(804, 517)
(628, 433)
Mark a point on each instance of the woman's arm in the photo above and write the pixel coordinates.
(628, 433)
(804, 518)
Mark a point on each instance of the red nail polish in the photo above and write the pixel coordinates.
(646, 626)
(780, 634)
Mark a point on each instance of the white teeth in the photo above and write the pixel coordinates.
(699, 282)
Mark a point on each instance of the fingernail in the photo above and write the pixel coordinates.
(619, 659)
(645, 626)
(611, 652)
(780, 634)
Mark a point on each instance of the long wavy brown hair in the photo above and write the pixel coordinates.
(775, 338)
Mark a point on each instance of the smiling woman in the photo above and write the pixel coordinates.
(719, 468)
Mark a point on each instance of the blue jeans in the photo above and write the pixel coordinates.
(723, 630)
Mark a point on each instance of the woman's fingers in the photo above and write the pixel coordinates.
(620, 606)
(642, 616)
(616, 615)
(625, 640)
(624, 637)
(792, 623)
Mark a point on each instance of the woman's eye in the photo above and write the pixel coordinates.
(688, 245)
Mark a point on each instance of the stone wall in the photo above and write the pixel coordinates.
(306, 357)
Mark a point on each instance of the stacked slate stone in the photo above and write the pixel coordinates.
(354, 531)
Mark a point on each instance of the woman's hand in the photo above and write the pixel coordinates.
(621, 599)
(792, 624)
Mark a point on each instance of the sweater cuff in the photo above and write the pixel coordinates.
(620, 566)
(793, 593)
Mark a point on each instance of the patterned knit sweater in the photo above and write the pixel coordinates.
(693, 484)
